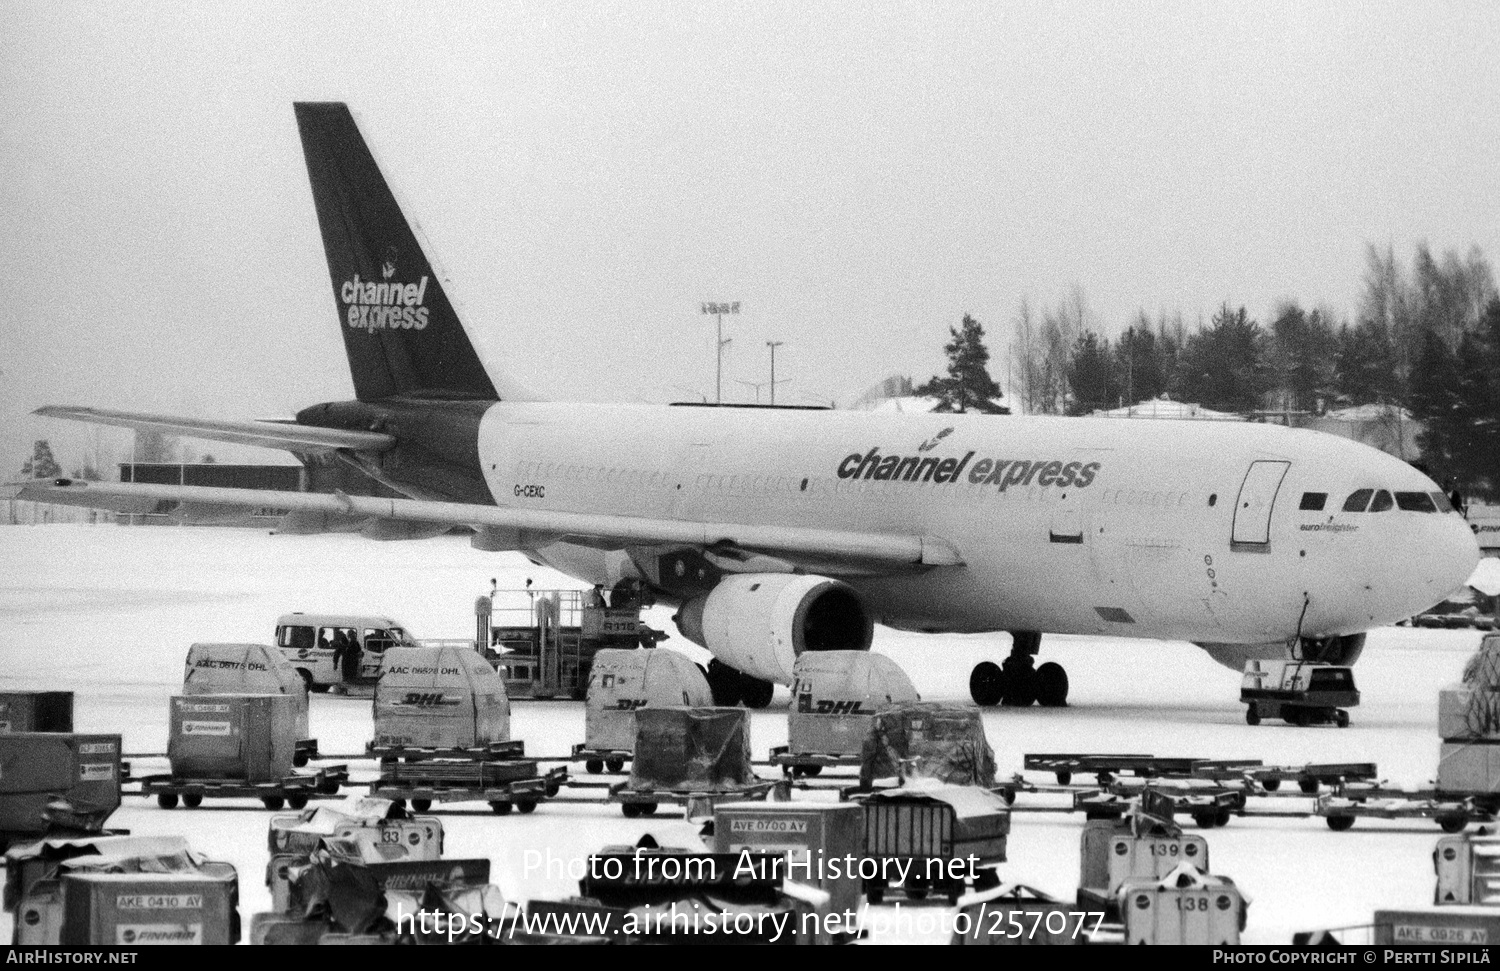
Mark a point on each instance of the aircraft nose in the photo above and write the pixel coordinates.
(1445, 559)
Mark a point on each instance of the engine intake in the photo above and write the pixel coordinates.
(759, 622)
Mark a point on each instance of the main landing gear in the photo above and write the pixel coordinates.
(731, 686)
(1018, 682)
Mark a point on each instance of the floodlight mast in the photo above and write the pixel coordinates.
(719, 310)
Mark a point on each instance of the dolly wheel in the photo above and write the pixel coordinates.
(526, 806)
(167, 800)
(299, 760)
(875, 893)
(500, 808)
(553, 788)
(272, 802)
(1222, 819)
(1340, 823)
(630, 809)
(1206, 820)
(1341, 718)
(593, 766)
(1064, 777)
(1453, 824)
(421, 805)
(192, 800)
(296, 802)
(1309, 786)
(1270, 785)
(648, 809)
(811, 770)
(615, 765)
(1252, 717)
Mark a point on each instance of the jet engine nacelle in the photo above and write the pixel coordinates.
(759, 622)
(1343, 650)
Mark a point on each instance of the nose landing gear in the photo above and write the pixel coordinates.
(1018, 682)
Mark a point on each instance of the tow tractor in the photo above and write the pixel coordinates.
(544, 641)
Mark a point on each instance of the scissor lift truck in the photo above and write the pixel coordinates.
(544, 641)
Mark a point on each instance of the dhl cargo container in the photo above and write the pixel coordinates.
(439, 697)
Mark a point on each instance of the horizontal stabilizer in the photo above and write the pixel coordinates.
(888, 551)
(266, 434)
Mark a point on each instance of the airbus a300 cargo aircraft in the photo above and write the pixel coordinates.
(781, 530)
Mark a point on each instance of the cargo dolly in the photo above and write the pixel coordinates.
(1209, 807)
(808, 763)
(498, 773)
(1105, 767)
(1451, 811)
(939, 842)
(597, 760)
(1309, 777)
(294, 790)
(695, 800)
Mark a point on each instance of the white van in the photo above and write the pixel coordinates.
(330, 649)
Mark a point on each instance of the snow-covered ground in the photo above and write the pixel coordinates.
(108, 612)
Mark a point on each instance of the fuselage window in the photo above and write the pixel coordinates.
(1313, 501)
(1415, 502)
(1383, 501)
(1358, 500)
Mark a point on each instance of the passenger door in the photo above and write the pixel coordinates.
(1252, 508)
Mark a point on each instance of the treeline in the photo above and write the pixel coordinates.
(1425, 337)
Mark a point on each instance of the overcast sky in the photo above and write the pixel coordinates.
(857, 175)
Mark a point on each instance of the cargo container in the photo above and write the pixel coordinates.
(1467, 714)
(1187, 906)
(150, 908)
(245, 669)
(1468, 768)
(57, 779)
(1468, 870)
(1432, 926)
(816, 838)
(1112, 851)
(439, 698)
(246, 738)
(939, 837)
(622, 681)
(835, 694)
(36, 711)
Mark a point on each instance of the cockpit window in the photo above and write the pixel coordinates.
(1415, 502)
(1441, 501)
(1358, 500)
(1383, 501)
(1313, 500)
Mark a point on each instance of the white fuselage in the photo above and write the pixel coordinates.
(1069, 525)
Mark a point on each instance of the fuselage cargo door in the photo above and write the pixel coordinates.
(1252, 510)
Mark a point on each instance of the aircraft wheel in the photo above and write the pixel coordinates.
(986, 684)
(1252, 717)
(754, 692)
(1051, 685)
(1020, 690)
(724, 683)
(1340, 823)
(593, 766)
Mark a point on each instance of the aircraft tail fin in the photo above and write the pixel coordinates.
(401, 332)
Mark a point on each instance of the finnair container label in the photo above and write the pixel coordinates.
(158, 933)
(97, 748)
(96, 772)
(205, 728)
(1418, 934)
(798, 826)
(202, 709)
(159, 901)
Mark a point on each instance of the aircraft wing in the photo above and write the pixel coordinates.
(266, 434)
(878, 551)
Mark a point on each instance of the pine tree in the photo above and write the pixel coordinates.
(968, 384)
(41, 465)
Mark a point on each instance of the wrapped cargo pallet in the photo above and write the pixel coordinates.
(245, 669)
(943, 741)
(439, 697)
(247, 738)
(36, 711)
(52, 780)
(834, 696)
(691, 748)
(622, 681)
